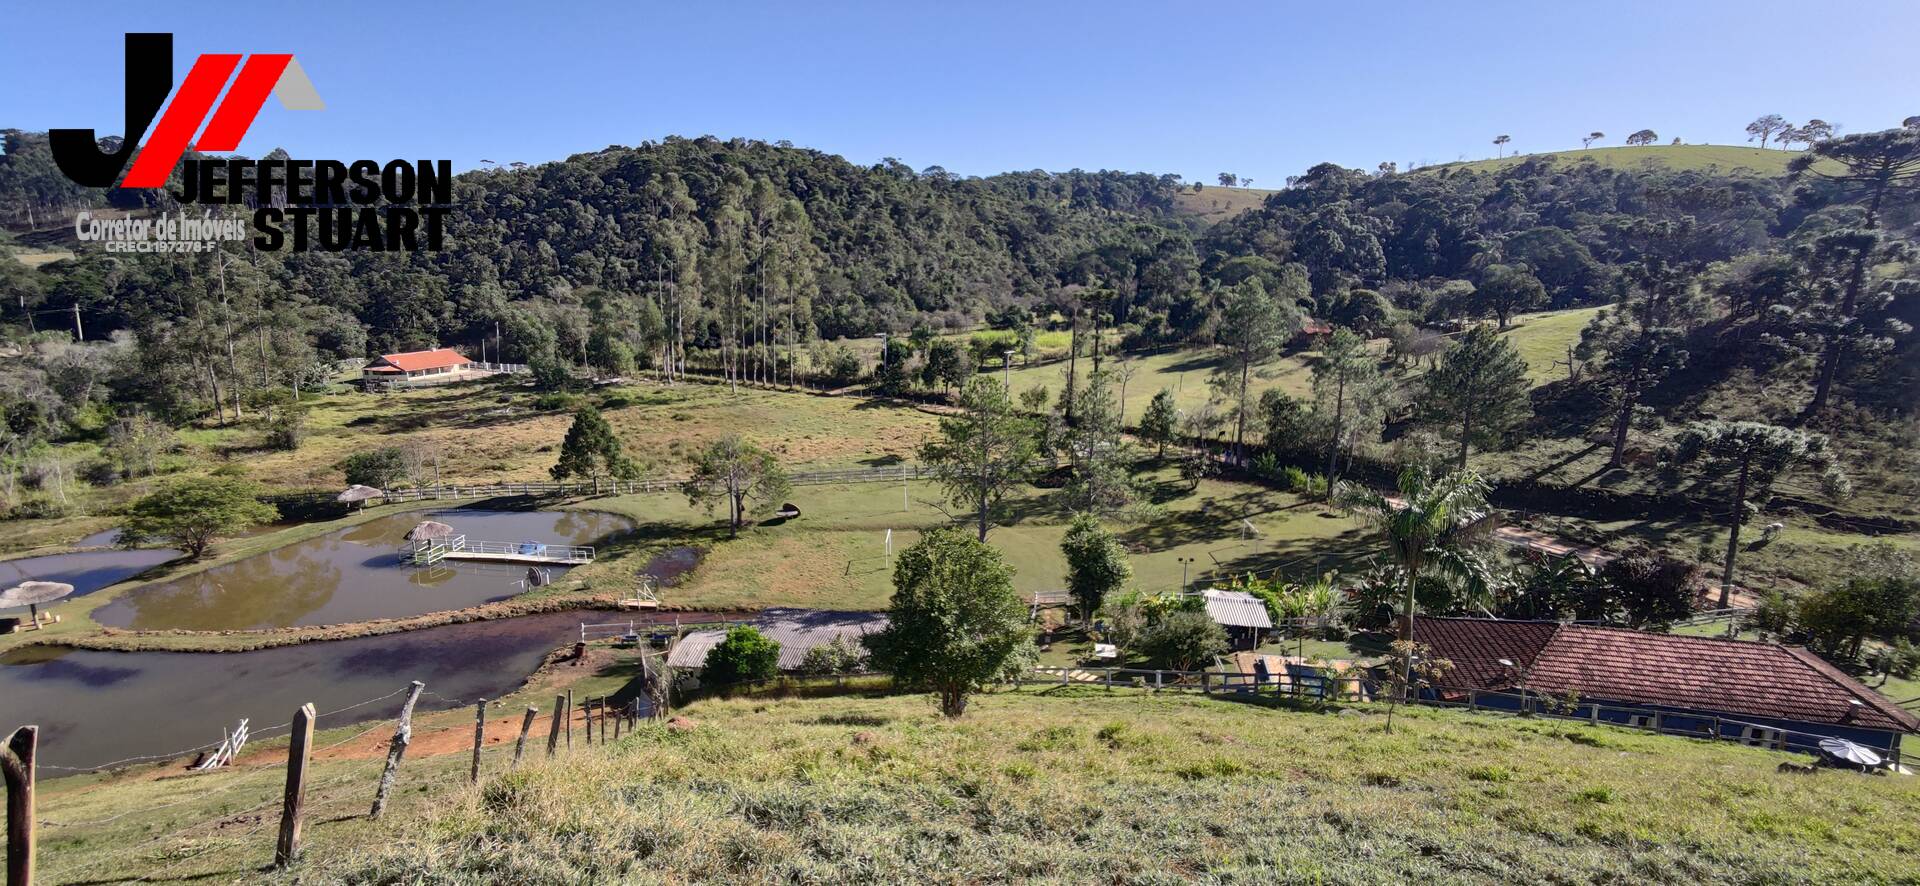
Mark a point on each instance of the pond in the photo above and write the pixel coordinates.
(355, 574)
(97, 707)
(87, 571)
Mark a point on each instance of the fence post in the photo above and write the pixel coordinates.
(586, 712)
(553, 727)
(520, 747)
(293, 809)
(1656, 722)
(479, 738)
(17, 764)
(569, 721)
(1593, 714)
(1473, 700)
(396, 749)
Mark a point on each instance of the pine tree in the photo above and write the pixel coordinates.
(591, 450)
(1478, 393)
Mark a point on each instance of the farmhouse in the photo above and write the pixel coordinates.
(796, 630)
(1762, 693)
(418, 367)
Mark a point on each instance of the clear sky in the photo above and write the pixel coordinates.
(1195, 88)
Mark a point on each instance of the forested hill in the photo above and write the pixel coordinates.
(711, 249)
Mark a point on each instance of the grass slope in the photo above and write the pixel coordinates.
(1729, 159)
(1084, 785)
(1213, 204)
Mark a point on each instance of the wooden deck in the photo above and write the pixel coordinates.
(427, 552)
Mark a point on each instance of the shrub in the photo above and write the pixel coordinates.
(842, 656)
(553, 401)
(379, 468)
(745, 655)
(1184, 640)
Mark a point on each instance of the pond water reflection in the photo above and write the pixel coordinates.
(354, 574)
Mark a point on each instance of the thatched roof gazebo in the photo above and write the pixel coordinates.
(428, 530)
(359, 495)
(33, 593)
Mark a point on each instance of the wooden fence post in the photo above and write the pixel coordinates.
(396, 749)
(17, 764)
(586, 717)
(553, 727)
(569, 720)
(1473, 700)
(520, 747)
(479, 738)
(1593, 714)
(293, 809)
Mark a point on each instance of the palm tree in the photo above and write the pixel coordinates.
(1427, 526)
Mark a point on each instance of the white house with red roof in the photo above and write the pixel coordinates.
(436, 366)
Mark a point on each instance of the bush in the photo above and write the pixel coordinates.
(1184, 640)
(842, 656)
(554, 402)
(745, 655)
(378, 468)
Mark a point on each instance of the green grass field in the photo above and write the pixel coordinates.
(1543, 339)
(1213, 204)
(1728, 159)
(1050, 785)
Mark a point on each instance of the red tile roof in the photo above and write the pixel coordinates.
(1637, 667)
(414, 361)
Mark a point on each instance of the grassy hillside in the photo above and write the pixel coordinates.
(1213, 204)
(1054, 786)
(1732, 159)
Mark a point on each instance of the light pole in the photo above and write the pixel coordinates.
(1184, 562)
(883, 352)
(1508, 663)
(1006, 362)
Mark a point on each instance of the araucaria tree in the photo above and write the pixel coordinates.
(739, 473)
(1871, 166)
(1253, 329)
(592, 450)
(1096, 563)
(191, 513)
(983, 453)
(955, 625)
(1347, 395)
(1478, 394)
(1426, 527)
(1639, 342)
(1752, 455)
(1102, 481)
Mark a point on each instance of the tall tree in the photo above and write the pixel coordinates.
(1591, 137)
(1157, 426)
(1096, 563)
(1643, 137)
(1478, 393)
(191, 513)
(1764, 128)
(592, 450)
(1505, 290)
(1347, 395)
(1867, 168)
(1253, 329)
(1102, 482)
(985, 452)
(1755, 455)
(955, 625)
(1500, 144)
(739, 473)
(1641, 341)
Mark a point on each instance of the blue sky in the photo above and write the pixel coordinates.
(1261, 89)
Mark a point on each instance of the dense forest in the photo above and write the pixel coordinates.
(741, 256)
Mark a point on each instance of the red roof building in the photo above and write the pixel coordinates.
(413, 364)
(1750, 682)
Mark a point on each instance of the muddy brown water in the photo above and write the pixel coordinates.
(97, 707)
(87, 571)
(355, 574)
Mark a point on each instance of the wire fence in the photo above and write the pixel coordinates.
(548, 488)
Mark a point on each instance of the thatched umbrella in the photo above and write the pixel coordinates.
(428, 530)
(358, 493)
(33, 593)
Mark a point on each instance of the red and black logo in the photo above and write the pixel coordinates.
(337, 204)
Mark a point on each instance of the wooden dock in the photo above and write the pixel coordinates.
(428, 552)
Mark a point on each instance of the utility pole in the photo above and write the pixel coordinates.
(78, 334)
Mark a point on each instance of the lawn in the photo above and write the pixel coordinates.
(1727, 159)
(1543, 339)
(1051, 785)
(835, 555)
(1184, 372)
